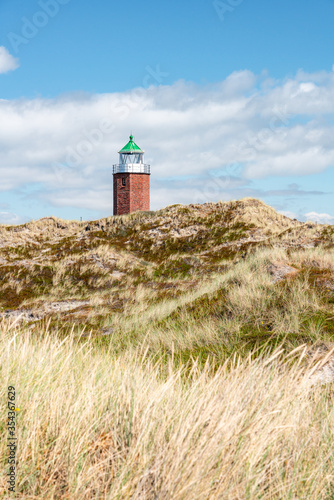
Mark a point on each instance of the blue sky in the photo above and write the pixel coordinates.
(229, 98)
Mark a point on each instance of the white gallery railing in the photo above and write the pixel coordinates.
(131, 168)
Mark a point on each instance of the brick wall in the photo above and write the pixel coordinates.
(135, 195)
(139, 192)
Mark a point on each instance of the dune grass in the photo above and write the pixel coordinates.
(241, 309)
(95, 425)
(183, 369)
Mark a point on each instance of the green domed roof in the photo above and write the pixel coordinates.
(131, 147)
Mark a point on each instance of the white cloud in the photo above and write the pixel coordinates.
(67, 145)
(7, 61)
(10, 218)
(321, 218)
(288, 213)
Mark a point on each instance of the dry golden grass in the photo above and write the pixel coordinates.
(244, 307)
(92, 425)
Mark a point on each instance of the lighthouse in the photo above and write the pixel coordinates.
(131, 180)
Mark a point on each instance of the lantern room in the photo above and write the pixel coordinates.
(131, 159)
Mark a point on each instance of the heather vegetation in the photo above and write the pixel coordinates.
(172, 354)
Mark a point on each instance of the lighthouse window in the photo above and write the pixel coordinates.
(123, 181)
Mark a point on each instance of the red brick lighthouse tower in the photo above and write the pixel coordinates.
(131, 180)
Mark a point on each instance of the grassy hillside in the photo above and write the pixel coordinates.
(238, 271)
(176, 354)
